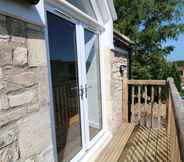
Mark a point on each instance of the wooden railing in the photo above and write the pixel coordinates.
(156, 104)
(148, 102)
(175, 125)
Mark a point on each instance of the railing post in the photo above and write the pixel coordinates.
(169, 109)
(145, 104)
(125, 100)
(152, 104)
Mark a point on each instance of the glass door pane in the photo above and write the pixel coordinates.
(65, 85)
(93, 83)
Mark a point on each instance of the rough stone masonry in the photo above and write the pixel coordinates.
(25, 131)
(116, 86)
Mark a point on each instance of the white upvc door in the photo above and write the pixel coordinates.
(81, 58)
(88, 58)
(92, 86)
(88, 79)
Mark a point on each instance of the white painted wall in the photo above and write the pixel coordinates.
(106, 44)
(107, 35)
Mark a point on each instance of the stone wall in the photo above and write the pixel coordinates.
(106, 59)
(116, 87)
(25, 131)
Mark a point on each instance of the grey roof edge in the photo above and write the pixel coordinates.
(123, 37)
(120, 50)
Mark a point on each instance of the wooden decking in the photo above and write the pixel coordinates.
(137, 144)
(147, 145)
(113, 151)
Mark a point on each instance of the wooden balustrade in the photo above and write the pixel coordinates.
(148, 102)
(157, 104)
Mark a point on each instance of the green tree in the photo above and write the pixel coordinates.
(150, 23)
(170, 70)
(179, 63)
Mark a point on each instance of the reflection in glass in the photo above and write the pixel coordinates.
(63, 57)
(85, 6)
(93, 83)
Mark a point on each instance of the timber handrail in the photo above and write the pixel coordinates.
(147, 82)
(175, 123)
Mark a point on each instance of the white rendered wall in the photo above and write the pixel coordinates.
(106, 44)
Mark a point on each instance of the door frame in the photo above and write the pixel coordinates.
(93, 141)
(82, 122)
(86, 143)
(80, 27)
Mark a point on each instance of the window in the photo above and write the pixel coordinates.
(64, 70)
(84, 5)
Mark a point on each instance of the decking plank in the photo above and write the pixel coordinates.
(137, 143)
(147, 144)
(113, 151)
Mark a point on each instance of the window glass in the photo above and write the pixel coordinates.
(84, 5)
(65, 85)
(93, 83)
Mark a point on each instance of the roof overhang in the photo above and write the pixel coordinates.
(121, 41)
(121, 51)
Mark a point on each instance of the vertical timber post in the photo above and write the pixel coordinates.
(125, 100)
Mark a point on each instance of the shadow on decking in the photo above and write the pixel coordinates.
(147, 145)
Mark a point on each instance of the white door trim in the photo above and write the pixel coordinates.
(80, 53)
(76, 13)
(95, 139)
(53, 128)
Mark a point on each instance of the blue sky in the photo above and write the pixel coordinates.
(178, 53)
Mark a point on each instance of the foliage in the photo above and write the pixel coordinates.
(182, 93)
(150, 23)
(179, 63)
(171, 71)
